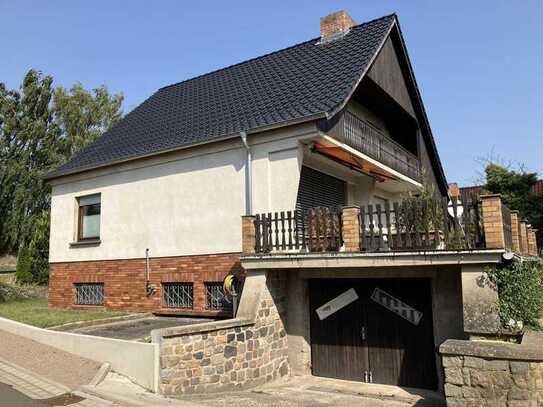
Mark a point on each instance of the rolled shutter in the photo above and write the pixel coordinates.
(319, 189)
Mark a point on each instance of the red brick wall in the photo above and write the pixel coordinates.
(125, 280)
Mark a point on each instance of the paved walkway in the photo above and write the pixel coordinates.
(61, 367)
(44, 391)
(320, 392)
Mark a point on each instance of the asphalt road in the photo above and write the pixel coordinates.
(12, 398)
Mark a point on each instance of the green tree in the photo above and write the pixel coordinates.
(29, 148)
(83, 116)
(41, 128)
(515, 188)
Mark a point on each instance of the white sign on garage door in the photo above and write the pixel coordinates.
(337, 303)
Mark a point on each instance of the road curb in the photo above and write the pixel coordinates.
(100, 374)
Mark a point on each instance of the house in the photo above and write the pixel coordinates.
(148, 219)
(536, 189)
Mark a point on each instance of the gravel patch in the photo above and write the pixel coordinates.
(54, 364)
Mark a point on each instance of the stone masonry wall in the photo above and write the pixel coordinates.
(231, 358)
(476, 381)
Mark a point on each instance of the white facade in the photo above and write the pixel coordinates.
(190, 202)
(183, 204)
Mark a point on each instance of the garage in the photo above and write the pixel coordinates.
(373, 330)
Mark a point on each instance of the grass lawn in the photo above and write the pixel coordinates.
(35, 312)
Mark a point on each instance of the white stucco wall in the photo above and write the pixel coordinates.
(186, 204)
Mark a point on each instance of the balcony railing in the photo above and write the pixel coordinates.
(398, 227)
(369, 140)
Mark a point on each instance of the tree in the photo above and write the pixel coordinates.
(83, 116)
(41, 128)
(515, 188)
(29, 148)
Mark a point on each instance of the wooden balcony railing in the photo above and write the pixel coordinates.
(318, 229)
(411, 225)
(369, 140)
(379, 228)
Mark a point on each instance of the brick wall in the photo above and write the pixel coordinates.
(125, 281)
(231, 358)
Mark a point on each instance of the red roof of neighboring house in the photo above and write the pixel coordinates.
(537, 188)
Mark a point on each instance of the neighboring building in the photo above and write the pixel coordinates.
(336, 121)
(537, 188)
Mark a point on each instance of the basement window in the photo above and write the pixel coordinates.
(216, 298)
(89, 217)
(178, 295)
(89, 293)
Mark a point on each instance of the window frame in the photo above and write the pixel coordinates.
(208, 290)
(78, 286)
(80, 216)
(166, 303)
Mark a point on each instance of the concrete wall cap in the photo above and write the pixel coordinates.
(531, 348)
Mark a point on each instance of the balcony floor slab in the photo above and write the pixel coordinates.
(369, 260)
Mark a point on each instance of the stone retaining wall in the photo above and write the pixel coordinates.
(222, 359)
(490, 374)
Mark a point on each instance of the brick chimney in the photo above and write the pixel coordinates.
(336, 23)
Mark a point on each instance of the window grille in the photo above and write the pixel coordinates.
(89, 294)
(215, 298)
(177, 295)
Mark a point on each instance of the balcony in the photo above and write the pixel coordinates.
(415, 226)
(373, 143)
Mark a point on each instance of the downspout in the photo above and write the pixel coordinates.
(149, 289)
(248, 175)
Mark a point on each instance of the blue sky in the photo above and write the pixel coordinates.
(478, 63)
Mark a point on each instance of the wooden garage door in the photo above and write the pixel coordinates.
(367, 341)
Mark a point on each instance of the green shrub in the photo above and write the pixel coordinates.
(421, 211)
(520, 291)
(9, 292)
(23, 273)
(33, 258)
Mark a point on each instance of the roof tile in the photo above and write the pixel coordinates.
(294, 83)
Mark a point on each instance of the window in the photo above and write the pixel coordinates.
(89, 217)
(215, 297)
(89, 293)
(177, 295)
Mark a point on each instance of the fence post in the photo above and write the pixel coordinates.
(536, 247)
(515, 231)
(248, 234)
(493, 221)
(523, 238)
(532, 245)
(351, 228)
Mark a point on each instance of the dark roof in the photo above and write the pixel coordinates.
(302, 81)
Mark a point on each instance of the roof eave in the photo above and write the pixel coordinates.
(52, 176)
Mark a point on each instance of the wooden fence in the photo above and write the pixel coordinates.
(433, 225)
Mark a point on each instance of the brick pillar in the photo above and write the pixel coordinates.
(523, 238)
(532, 249)
(515, 231)
(535, 242)
(493, 221)
(351, 228)
(248, 235)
